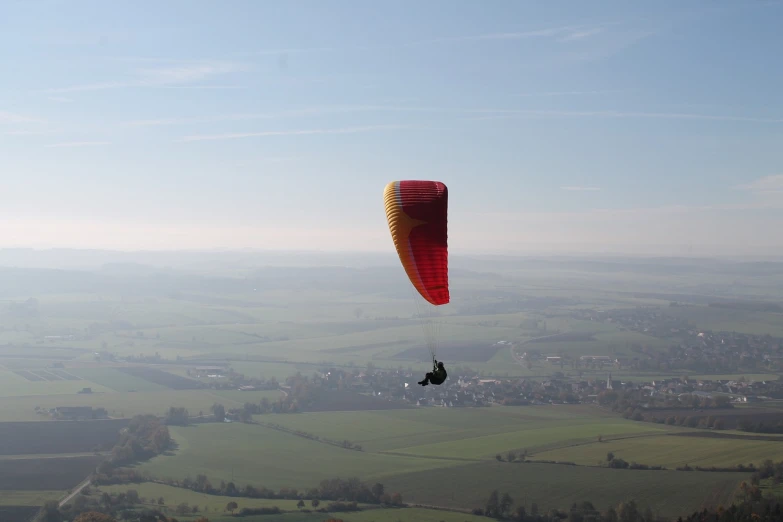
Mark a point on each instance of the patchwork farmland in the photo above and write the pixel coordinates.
(243, 342)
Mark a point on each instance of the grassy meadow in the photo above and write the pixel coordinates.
(550, 485)
(672, 451)
(416, 452)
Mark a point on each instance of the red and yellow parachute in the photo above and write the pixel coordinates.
(417, 213)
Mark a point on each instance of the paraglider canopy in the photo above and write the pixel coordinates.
(417, 215)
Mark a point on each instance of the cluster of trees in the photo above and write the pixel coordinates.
(287, 404)
(273, 510)
(177, 416)
(759, 426)
(336, 489)
(617, 463)
(612, 461)
(768, 470)
(739, 468)
(107, 474)
(749, 510)
(633, 404)
(303, 392)
(355, 490)
(512, 456)
(143, 438)
(716, 423)
(751, 507)
(127, 506)
(502, 507)
(151, 359)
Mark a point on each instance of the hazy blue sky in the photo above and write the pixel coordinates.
(601, 125)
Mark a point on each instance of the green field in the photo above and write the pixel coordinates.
(174, 496)
(669, 492)
(236, 398)
(410, 450)
(672, 452)
(266, 457)
(29, 498)
(213, 506)
(466, 432)
(12, 385)
(116, 380)
(484, 446)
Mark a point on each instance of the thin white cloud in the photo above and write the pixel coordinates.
(581, 35)
(79, 144)
(311, 111)
(766, 185)
(501, 113)
(157, 122)
(186, 73)
(176, 76)
(264, 160)
(203, 87)
(514, 113)
(306, 50)
(165, 121)
(10, 117)
(28, 132)
(469, 114)
(90, 87)
(580, 189)
(518, 35)
(304, 132)
(568, 93)
(492, 36)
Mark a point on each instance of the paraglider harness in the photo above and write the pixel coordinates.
(437, 375)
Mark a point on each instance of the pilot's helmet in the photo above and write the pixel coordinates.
(440, 365)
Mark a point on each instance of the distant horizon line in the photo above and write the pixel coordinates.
(385, 253)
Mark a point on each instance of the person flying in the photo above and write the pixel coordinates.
(436, 376)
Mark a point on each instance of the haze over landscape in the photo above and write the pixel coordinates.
(213, 308)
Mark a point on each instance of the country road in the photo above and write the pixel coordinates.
(75, 492)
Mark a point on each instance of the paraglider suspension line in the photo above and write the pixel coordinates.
(429, 322)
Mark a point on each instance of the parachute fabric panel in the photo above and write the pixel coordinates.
(417, 214)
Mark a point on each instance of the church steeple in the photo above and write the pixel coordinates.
(609, 381)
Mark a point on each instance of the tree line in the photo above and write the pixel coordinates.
(336, 489)
(612, 461)
(501, 507)
(750, 507)
(129, 506)
(144, 437)
(346, 444)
